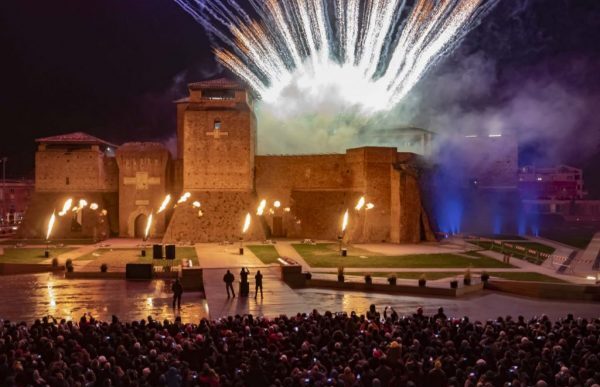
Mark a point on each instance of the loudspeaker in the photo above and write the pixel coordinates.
(170, 251)
(157, 252)
(241, 251)
(138, 271)
(344, 253)
(143, 252)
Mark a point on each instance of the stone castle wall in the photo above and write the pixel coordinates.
(87, 170)
(144, 177)
(94, 224)
(218, 159)
(221, 218)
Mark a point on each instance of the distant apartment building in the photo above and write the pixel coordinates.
(14, 199)
(553, 183)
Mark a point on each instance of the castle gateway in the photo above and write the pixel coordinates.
(217, 165)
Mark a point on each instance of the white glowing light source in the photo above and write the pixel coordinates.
(495, 135)
(82, 203)
(360, 204)
(66, 207)
(94, 206)
(287, 209)
(50, 226)
(184, 198)
(164, 204)
(277, 204)
(471, 136)
(261, 207)
(370, 206)
(590, 277)
(104, 212)
(367, 52)
(148, 226)
(196, 204)
(283, 261)
(345, 221)
(246, 223)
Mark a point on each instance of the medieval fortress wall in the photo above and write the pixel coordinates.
(217, 165)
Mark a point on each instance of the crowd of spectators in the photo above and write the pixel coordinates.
(379, 348)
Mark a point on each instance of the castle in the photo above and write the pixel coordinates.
(217, 164)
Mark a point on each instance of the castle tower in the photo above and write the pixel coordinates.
(216, 129)
(217, 132)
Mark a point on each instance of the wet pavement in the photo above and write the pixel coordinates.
(27, 297)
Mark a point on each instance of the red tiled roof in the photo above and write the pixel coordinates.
(219, 83)
(73, 138)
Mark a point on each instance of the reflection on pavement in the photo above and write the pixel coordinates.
(28, 297)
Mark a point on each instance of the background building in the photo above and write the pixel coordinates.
(14, 200)
(562, 182)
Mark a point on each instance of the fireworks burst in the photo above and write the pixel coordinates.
(370, 53)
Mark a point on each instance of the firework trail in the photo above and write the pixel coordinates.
(372, 52)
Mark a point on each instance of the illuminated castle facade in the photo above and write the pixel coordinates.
(217, 164)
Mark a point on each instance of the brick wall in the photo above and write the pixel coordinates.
(143, 185)
(88, 169)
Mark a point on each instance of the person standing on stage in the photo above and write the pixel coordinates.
(177, 289)
(258, 281)
(228, 278)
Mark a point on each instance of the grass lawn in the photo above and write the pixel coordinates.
(34, 255)
(503, 237)
(41, 242)
(266, 253)
(327, 255)
(432, 276)
(515, 253)
(407, 275)
(575, 238)
(536, 246)
(134, 256)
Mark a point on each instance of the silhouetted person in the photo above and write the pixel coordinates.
(440, 314)
(244, 274)
(177, 289)
(244, 285)
(258, 281)
(228, 278)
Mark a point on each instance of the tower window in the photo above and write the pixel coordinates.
(217, 125)
(67, 182)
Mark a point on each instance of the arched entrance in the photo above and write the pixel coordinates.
(140, 226)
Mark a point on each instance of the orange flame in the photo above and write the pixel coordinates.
(246, 223)
(148, 226)
(360, 204)
(50, 225)
(164, 204)
(261, 207)
(345, 221)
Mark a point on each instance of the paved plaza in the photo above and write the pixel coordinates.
(27, 297)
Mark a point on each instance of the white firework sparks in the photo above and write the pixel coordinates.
(371, 53)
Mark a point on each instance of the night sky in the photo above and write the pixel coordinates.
(112, 67)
